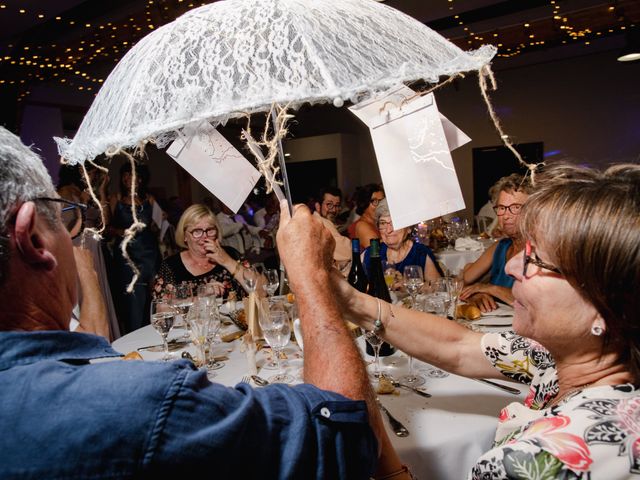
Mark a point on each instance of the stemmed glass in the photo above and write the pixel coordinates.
(162, 317)
(376, 342)
(198, 320)
(454, 286)
(413, 281)
(389, 269)
(182, 299)
(250, 278)
(277, 332)
(272, 281)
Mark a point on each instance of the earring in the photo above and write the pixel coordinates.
(598, 327)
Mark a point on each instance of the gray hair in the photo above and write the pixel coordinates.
(23, 177)
(382, 210)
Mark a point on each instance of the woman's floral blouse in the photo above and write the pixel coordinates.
(172, 272)
(591, 434)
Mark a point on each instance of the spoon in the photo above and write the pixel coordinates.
(260, 381)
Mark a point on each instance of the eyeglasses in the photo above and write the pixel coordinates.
(199, 232)
(527, 259)
(383, 225)
(331, 206)
(73, 214)
(376, 201)
(514, 209)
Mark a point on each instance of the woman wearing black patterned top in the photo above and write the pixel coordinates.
(203, 260)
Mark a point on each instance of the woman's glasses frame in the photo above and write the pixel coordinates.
(514, 209)
(527, 259)
(68, 205)
(199, 232)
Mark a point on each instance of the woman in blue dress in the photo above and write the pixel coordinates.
(398, 249)
(508, 195)
(144, 251)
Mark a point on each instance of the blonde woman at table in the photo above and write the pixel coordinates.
(511, 194)
(576, 340)
(202, 259)
(399, 249)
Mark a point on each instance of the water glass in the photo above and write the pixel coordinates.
(162, 318)
(276, 329)
(272, 281)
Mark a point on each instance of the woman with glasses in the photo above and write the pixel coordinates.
(367, 199)
(202, 259)
(511, 193)
(398, 248)
(575, 338)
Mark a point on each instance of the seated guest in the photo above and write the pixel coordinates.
(367, 199)
(511, 193)
(328, 203)
(576, 339)
(398, 248)
(202, 259)
(326, 208)
(66, 417)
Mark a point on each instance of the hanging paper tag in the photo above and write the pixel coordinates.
(216, 164)
(413, 156)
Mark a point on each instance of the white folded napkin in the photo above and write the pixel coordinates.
(467, 243)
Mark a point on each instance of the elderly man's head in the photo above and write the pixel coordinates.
(33, 240)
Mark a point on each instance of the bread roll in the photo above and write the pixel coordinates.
(470, 312)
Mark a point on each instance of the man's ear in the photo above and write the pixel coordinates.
(317, 207)
(29, 238)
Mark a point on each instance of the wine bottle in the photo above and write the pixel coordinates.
(378, 288)
(357, 277)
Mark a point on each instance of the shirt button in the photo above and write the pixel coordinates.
(324, 411)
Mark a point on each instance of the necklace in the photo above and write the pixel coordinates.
(555, 401)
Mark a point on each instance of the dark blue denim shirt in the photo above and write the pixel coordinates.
(62, 417)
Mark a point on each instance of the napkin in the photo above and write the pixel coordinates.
(467, 243)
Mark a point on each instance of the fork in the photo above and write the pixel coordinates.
(246, 379)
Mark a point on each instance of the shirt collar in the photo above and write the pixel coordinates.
(25, 348)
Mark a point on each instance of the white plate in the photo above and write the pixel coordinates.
(493, 321)
(501, 311)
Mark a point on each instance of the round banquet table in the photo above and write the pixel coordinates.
(455, 260)
(448, 432)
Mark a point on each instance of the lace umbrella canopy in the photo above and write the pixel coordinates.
(232, 58)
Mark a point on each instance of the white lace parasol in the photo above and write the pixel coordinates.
(235, 57)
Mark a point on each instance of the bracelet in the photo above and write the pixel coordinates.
(235, 270)
(404, 469)
(378, 325)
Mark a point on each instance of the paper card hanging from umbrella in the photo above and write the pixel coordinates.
(217, 165)
(413, 155)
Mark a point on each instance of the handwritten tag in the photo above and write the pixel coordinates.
(216, 164)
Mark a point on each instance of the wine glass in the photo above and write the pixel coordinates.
(376, 342)
(250, 278)
(413, 281)
(162, 317)
(277, 332)
(198, 320)
(454, 286)
(215, 322)
(272, 281)
(182, 299)
(390, 272)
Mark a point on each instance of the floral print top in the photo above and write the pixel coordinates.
(591, 434)
(172, 272)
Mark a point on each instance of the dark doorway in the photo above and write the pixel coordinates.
(307, 178)
(492, 163)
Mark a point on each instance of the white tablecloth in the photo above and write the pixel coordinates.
(448, 432)
(455, 260)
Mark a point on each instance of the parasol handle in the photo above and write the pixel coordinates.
(283, 167)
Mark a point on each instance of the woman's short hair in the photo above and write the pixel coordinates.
(588, 223)
(511, 184)
(363, 196)
(191, 215)
(382, 210)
